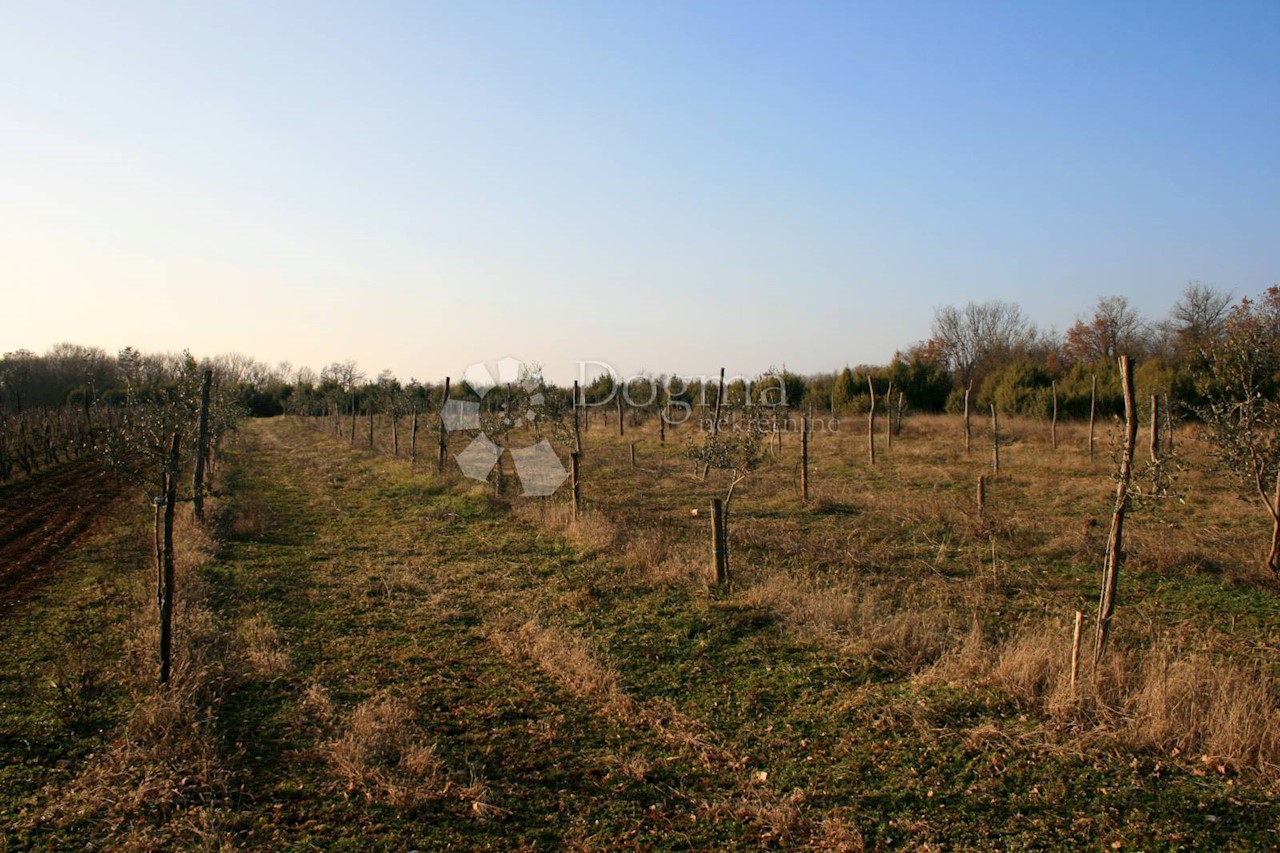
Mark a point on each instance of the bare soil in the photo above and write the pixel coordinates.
(41, 516)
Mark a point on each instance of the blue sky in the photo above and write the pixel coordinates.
(660, 185)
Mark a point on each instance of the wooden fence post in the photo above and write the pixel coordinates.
(1115, 541)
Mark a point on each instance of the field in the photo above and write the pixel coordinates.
(374, 656)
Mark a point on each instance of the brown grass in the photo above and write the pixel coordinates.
(379, 755)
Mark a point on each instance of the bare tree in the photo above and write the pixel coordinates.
(1199, 316)
(977, 336)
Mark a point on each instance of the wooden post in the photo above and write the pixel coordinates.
(888, 417)
(719, 554)
(166, 595)
(575, 460)
(444, 433)
(662, 426)
(577, 430)
(982, 494)
(967, 391)
(901, 403)
(871, 423)
(622, 429)
(202, 447)
(1093, 412)
(715, 423)
(354, 413)
(633, 454)
(995, 441)
(395, 429)
(804, 459)
(1155, 427)
(1075, 650)
(1115, 541)
(413, 436)
(1053, 425)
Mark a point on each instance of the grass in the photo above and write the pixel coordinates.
(395, 659)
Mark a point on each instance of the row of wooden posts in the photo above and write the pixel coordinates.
(1114, 554)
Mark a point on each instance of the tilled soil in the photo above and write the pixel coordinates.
(43, 515)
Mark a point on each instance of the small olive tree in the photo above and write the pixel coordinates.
(1241, 384)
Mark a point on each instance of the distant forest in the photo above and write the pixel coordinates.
(990, 349)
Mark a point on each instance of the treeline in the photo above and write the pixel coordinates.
(990, 350)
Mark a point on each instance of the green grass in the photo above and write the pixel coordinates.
(734, 729)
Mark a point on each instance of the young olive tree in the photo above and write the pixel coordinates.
(1241, 384)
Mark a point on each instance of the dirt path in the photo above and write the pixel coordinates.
(41, 516)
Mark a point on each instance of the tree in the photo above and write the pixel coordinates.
(978, 337)
(1198, 318)
(1242, 414)
(1115, 329)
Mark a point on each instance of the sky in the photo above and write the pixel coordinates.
(662, 186)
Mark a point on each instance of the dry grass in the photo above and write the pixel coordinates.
(259, 648)
(378, 754)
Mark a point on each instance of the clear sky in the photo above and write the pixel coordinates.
(661, 185)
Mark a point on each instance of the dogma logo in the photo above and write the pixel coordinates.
(538, 467)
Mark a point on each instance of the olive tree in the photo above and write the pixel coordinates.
(1241, 384)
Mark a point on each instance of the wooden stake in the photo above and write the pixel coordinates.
(888, 420)
(715, 423)
(444, 432)
(1115, 541)
(1053, 425)
(871, 423)
(1155, 427)
(1075, 649)
(804, 459)
(413, 436)
(982, 495)
(575, 459)
(166, 595)
(577, 432)
(202, 447)
(633, 454)
(719, 553)
(967, 392)
(1093, 412)
(995, 441)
